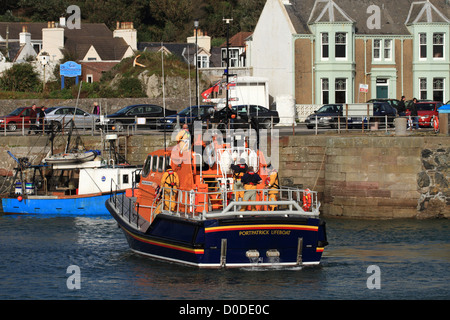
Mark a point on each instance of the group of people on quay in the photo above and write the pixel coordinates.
(37, 117)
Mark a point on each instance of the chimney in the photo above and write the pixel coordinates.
(53, 40)
(24, 36)
(62, 22)
(126, 31)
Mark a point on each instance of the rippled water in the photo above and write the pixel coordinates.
(413, 258)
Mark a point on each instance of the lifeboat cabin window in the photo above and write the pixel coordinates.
(155, 164)
(125, 179)
(147, 166)
(161, 165)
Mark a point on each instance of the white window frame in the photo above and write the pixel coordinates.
(440, 44)
(345, 44)
(324, 87)
(202, 61)
(376, 48)
(379, 49)
(339, 90)
(385, 47)
(89, 78)
(423, 88)
(441, 89)
(423, 44)
(323, 44)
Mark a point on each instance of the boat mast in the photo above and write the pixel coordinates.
(227, 63)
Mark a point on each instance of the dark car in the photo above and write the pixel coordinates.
(426, 111)
(18, 118)
(253, 115)
(326, 116)
(119, 120)
(187, 115)
(393, 102)
(380, 111)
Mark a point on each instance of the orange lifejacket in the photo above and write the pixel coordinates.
(306, 200)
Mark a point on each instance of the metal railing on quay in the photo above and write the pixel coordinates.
(287, 125)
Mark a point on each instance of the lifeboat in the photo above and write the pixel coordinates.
(198, 220)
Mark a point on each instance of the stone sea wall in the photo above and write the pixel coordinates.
(374, 177)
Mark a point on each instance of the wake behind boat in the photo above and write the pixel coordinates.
(189, 209)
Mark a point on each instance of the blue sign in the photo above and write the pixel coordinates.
(70, 69)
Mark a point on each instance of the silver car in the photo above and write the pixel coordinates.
(59, 117)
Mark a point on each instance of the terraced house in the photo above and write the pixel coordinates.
(348, 51)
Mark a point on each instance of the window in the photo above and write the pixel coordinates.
(125, 179)
(147, 165)
(155, 164)
(233, 55)
(438, 89)
(341, 45)
(422, 88)
(382, 49)
(203, 61)
(325, 91)
(376, 49)
(438, 45)
(340, 90)
(387, 49)
(89, 78)
(324, 38)
(422, 45)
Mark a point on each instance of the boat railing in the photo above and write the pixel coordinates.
(202, 205)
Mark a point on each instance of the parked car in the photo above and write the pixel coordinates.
(393, 102)
(426, 111)
(258, 115)
(18, 118)
(128, 115)
(380, 110)
(326, 116)
(59, 117)
(187, 115)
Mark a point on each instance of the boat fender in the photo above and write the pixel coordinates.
(19, 198)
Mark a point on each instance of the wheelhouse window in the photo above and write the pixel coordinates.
(422, 45)
(438, 45)
(438, 89)
(340, 90)
(325, 45)
(422, 88)
(341, 45)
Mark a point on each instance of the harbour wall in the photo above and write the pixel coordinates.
(374, 177)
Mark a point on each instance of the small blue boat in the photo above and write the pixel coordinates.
(70, 183)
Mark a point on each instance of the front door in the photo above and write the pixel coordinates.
(382, 88)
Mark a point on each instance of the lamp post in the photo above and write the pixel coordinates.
(196, 62)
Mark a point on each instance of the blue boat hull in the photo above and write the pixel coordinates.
(234, 242)
(81, 205)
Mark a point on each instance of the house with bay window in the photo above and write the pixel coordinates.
(346, 51)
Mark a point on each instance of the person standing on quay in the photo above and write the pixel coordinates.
(32, 120)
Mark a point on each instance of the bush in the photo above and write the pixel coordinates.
(20, 77)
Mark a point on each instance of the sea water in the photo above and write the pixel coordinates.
(88, 258)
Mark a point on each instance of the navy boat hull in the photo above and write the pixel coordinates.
(270, 241)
